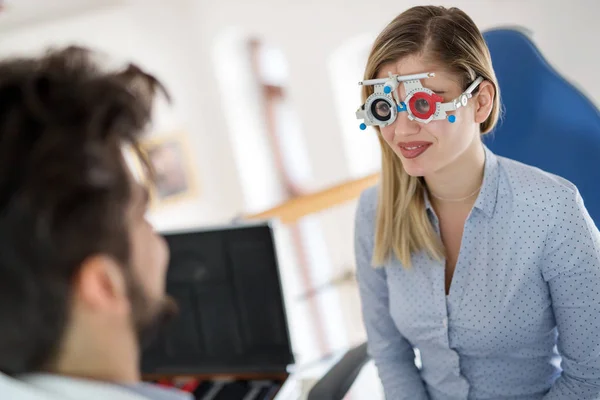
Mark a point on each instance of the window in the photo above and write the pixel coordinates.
(274, 165)
(346, 67)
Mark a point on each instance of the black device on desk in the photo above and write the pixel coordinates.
(231, 338)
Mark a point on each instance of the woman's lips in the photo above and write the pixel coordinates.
(413, 149)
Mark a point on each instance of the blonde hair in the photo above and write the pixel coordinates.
(450, 38)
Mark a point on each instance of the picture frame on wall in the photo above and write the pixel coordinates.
(175, 178)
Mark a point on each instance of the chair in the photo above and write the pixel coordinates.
(547, 123)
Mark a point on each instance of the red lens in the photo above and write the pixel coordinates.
(423, 105)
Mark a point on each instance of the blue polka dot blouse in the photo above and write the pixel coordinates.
(522, 319)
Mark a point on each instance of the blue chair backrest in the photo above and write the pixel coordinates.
(547, 122)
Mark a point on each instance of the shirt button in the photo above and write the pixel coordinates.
(445, 322)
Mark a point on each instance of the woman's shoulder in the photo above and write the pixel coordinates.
(367, 203)
(366, 211)
(534, 186)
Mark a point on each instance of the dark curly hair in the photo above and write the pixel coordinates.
(64, 187)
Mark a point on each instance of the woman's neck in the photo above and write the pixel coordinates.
(460, 181)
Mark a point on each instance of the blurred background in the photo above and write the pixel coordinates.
(264, 98)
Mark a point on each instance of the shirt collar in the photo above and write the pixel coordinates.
(488, 195)
(75, 388)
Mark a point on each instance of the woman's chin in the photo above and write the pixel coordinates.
(413, 168)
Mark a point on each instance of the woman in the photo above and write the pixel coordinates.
(481, 263)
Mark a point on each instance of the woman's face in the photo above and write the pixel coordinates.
(426, 149)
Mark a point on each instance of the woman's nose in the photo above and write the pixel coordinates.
(404, 126)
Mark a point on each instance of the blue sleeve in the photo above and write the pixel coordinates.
(393, 355)
(572, 269)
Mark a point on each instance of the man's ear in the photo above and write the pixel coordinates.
(100, 285)
(484, 101)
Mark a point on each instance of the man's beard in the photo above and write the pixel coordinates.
(150, 316)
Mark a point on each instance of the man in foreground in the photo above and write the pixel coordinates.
(82, 273)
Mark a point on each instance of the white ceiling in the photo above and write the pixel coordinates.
(17, 13)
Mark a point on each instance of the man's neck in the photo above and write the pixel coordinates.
(103, 360)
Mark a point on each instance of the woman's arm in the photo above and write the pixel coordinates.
(391, 352)
(572, 270)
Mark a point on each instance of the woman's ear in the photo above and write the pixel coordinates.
(484, 101)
